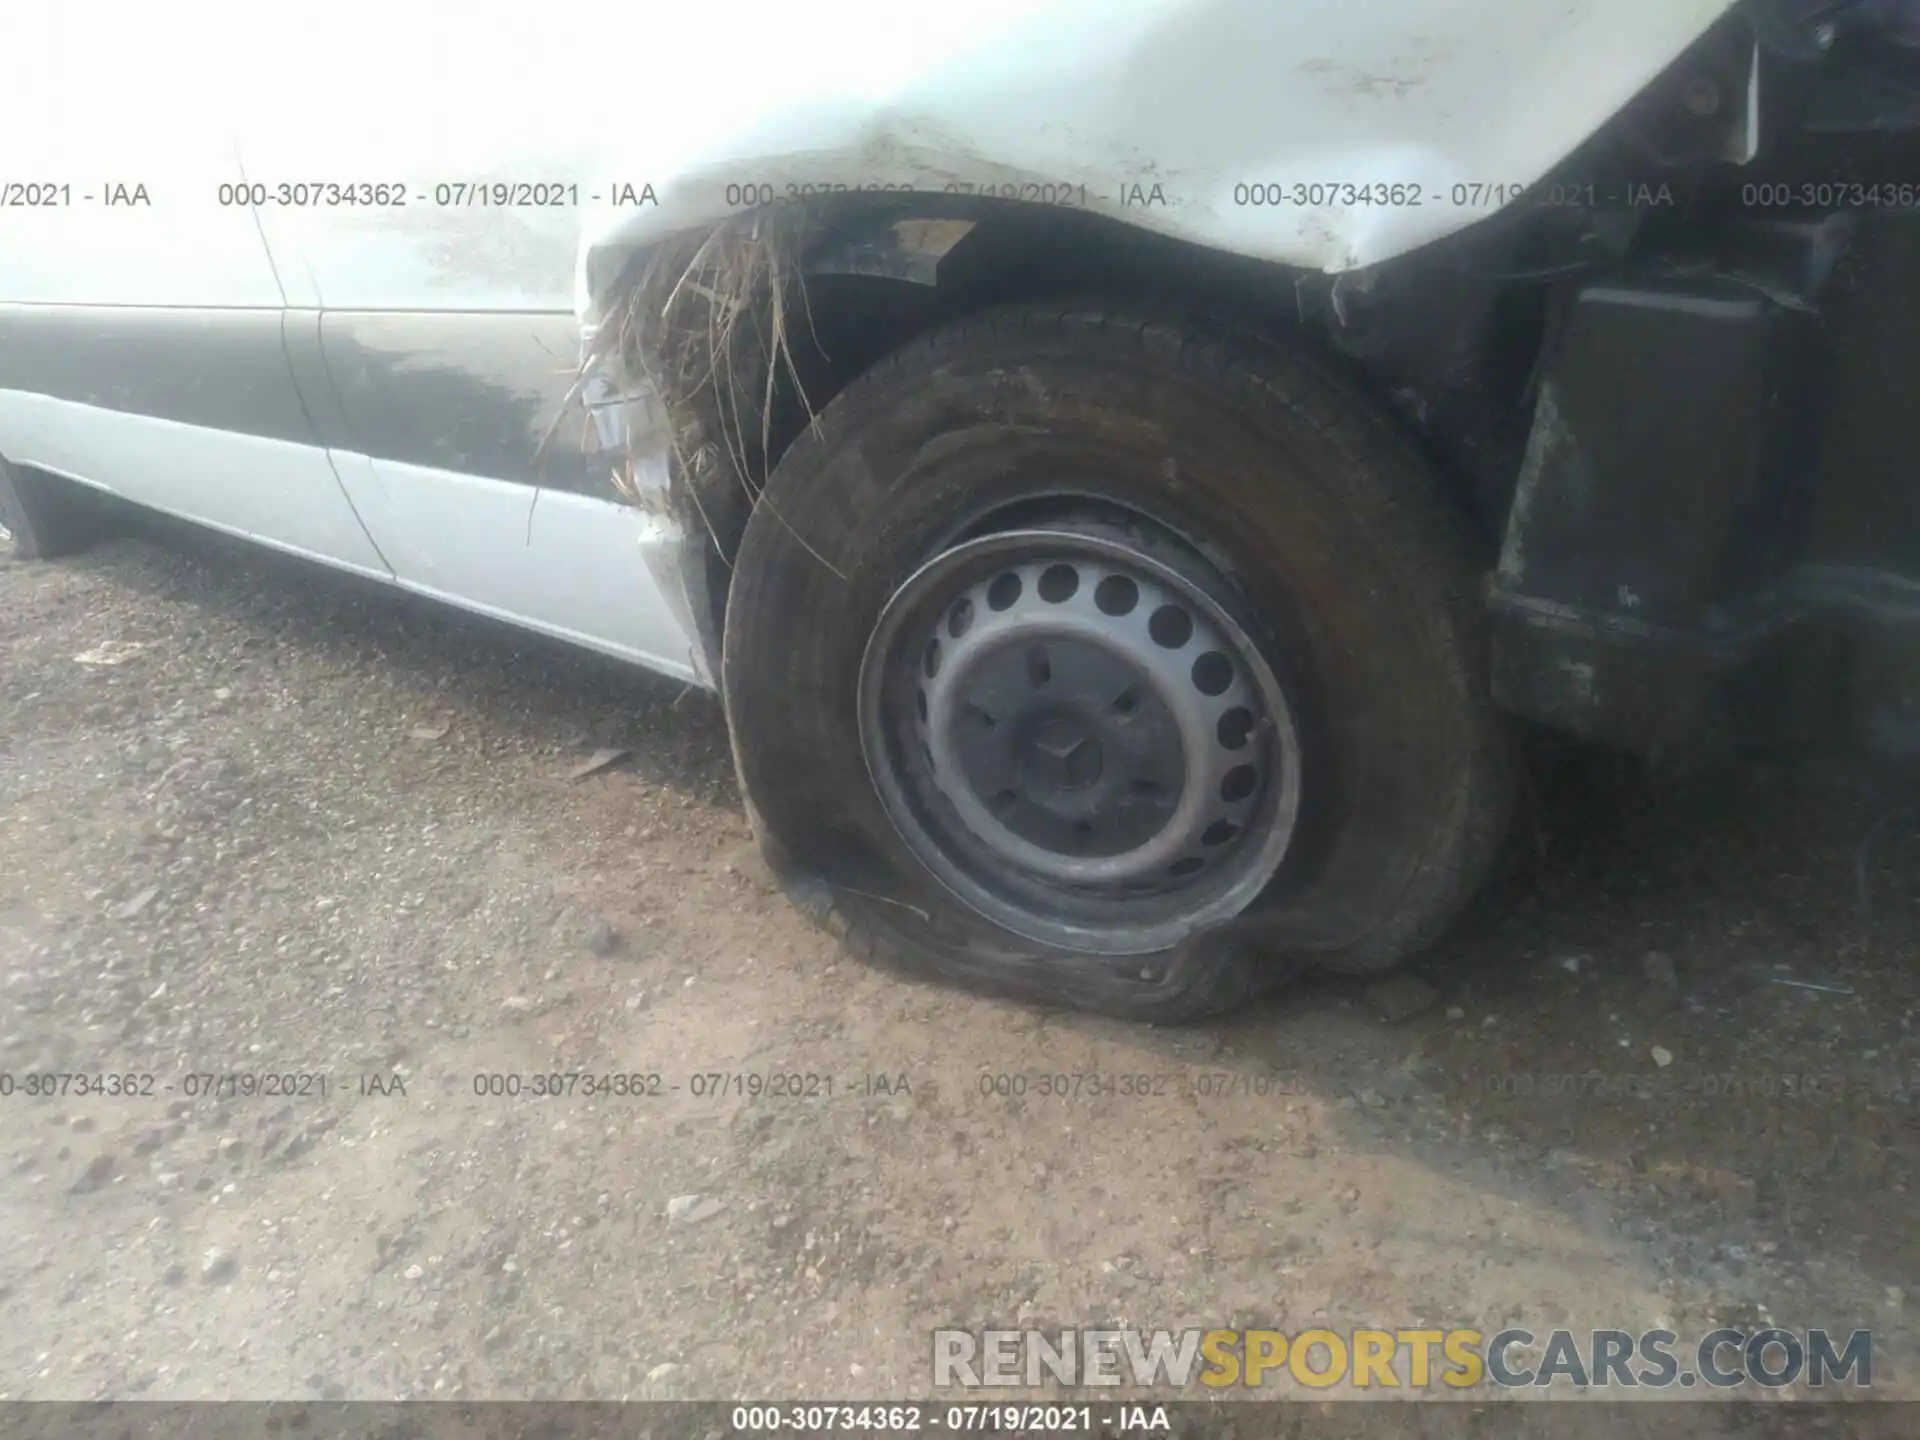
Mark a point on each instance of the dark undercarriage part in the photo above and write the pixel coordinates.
(1714, 542)
(1716, 538)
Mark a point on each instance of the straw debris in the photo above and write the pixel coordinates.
(705, 321)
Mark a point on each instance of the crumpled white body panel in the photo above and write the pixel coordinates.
(1117, 97)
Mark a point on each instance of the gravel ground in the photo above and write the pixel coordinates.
(258, 820)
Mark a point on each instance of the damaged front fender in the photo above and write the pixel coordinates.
(1318, 136)
(1312, 136)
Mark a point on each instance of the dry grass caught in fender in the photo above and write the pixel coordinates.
(703, 321)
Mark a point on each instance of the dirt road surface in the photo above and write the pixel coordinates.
(257, 821)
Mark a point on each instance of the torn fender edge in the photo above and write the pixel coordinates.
(635, 377)
(630, 421)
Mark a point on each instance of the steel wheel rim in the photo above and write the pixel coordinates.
(1078, 739)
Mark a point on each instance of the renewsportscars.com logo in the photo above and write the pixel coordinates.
(1368, 1359)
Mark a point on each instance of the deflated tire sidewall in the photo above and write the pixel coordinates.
(1355, 585)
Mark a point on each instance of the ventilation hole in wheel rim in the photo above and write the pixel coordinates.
(1235, 728)
(1187, 866)
(1238, 783)
(1127, 701)
(1171, 627)
(960, 617)
(1058, 583)
(1003, 592)
(1116, 595)
(920, 704)
(1219, 832)
(1039, 667)
(1212, 673)
(932, 663)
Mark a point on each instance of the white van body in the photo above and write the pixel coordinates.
(319, 278)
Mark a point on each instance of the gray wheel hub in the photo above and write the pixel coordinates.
(1078, 739)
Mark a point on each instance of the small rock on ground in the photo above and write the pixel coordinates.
(98, 1172)
(1401, 997)
(693, 1209)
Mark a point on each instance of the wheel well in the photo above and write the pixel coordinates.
(1428, 337)
(1015, 253)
